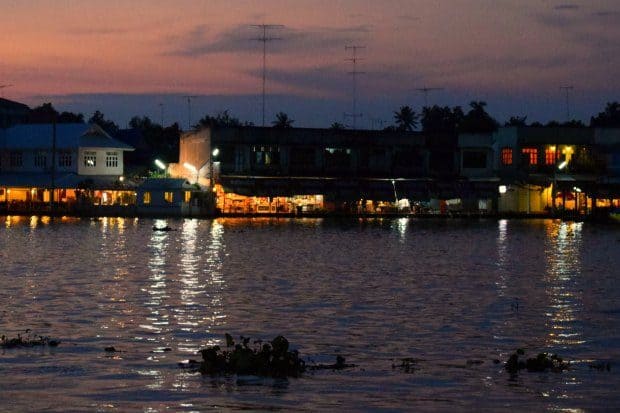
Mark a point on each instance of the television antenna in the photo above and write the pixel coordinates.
(264, 39)
(567, 89)
(189, 110)
(353, 59)
(2, 87)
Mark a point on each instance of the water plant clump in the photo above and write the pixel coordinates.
(542, 362)
(263, 359)
(28, 340)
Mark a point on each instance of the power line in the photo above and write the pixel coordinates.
(567, 89)
(189, 110)
(353, 59)
(425, 90)
(264, 39)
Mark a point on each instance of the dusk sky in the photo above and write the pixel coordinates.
(126, 58)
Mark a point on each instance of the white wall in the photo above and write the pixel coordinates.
(99, 167)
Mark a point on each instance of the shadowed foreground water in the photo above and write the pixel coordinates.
(453, 295)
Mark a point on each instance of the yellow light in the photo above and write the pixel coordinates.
(552, 148)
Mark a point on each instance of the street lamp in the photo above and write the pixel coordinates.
(214, 155)
(192, 169)
(162, 166)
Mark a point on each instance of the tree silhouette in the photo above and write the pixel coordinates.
(46, 113)
(337, 126)
(223, 118)
(406, 119)
(282, 121)
(609, 118)
(516, 121)
(438, 119)
(107, 125)
(477, 120)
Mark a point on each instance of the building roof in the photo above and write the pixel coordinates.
(68, 136)
(165, 184)
(9, 104)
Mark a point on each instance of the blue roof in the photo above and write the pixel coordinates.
(68, 136)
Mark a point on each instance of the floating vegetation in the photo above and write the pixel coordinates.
(270, 359)
(162, 229)
(407, 365)
(542, 362)
(29, 340)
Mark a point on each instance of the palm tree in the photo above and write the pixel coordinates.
(406, 119)
(282, 121)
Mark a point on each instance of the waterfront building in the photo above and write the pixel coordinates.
(70, 165)
(172, 197)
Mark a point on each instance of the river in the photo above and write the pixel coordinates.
(455, 297)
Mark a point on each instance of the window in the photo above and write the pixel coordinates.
(474, 160)
(266, 154)
(40, 160)
(65, 159)
(90, 159)
(507, 156)
(188, 196)
(168, 197)
(16, 159)
(146, 198)
(530, 156)
(550, 155)
(337, 157)
(111, 159)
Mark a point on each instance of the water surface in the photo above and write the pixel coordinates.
(454, 295)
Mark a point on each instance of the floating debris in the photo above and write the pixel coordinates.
(111, 350)
(29, 340)
(542, 362)
(338, 365)
(163, 229)
(407, 365)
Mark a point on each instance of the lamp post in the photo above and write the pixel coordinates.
(214, 155)
(162, 166)
(395, 195)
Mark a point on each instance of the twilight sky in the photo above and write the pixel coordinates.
(128, 57)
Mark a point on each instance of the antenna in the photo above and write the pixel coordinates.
(189, 110)
(354, 73)
(425, 90)
(2, 87)
(264, 39)
(567, 89)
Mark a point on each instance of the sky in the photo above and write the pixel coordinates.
(143, 57)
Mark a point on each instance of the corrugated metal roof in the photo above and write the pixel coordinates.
(68, 136)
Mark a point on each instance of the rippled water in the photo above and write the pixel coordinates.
(454, 295)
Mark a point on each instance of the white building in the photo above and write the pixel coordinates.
(38, 158)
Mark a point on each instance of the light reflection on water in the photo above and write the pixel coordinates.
(453, 295)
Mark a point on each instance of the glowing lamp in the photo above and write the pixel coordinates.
(502, 189)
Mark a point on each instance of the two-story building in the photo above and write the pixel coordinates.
(63, 163)
(297, 170)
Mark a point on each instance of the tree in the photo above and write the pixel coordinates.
(282, 121)
(337, 126)
(406, 119)
(437, 119)
(46, 113)
(223, 118)
(109, 126)
(477, 120)
(609, 118)
(517, 121)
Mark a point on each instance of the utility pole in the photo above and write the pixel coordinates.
(567, 89)
(2, 87)
(189, 111)
(264, 39)
(354, 73)
(161, 114)
(425, 90)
